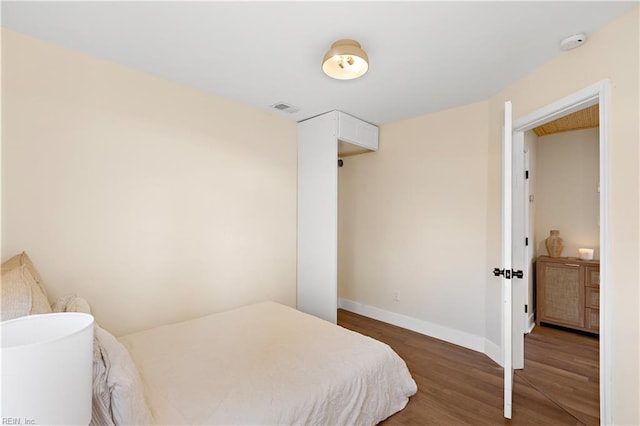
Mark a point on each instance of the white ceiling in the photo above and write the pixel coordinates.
(424, 56)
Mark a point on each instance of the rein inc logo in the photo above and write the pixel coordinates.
(18, 421)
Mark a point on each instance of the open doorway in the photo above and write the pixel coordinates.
(562, 194)
(588, 97)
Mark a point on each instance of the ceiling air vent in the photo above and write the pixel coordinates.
(284, 107)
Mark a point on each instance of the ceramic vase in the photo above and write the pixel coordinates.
(554, 243)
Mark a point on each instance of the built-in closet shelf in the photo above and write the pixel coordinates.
(355, 136)
(347, 149)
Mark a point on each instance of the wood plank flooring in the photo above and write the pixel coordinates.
(565, 366)
(458, 386)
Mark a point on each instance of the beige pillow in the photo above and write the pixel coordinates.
(16, 296)
(21, 293)
(23, 259)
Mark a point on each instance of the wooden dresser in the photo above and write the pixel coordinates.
(568, 292)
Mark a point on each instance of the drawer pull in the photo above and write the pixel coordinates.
(571, 264)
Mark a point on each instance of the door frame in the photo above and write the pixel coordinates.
(597, 93)
(529, 251)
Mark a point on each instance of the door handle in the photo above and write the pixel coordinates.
(508, 273)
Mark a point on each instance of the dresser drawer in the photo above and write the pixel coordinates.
(592, 297)
(592, 319)
(592, 276)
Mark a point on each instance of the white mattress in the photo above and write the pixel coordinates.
(267, 364)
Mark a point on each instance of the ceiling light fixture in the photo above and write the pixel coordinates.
(345, 60)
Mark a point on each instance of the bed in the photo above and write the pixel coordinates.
(267, 364)
(261, 364)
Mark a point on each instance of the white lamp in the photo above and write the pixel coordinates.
(47, 369)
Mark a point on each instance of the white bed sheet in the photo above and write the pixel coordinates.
(267, 364)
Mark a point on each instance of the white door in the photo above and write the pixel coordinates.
(507, 294)
(519, 226)
(513, 254)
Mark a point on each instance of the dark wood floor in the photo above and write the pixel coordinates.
(458, 386)
(564, 366)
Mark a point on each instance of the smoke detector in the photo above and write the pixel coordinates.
(573, 41)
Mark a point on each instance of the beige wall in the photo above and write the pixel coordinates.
(422, 215)
(412, 219)
(566, 197)
(612, 53)
(154, 201)
(158, 202)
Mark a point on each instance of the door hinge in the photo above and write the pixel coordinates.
(526, 174)
(526, 309)
(526, 241)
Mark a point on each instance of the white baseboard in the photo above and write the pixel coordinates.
(493, 351)
(530, 323)
(457, 337)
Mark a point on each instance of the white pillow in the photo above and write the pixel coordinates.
(114, 376)
(128, 405)
(71, 303)
(101, 398)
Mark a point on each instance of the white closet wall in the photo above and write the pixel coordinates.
(317, 271)
(317, 268)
